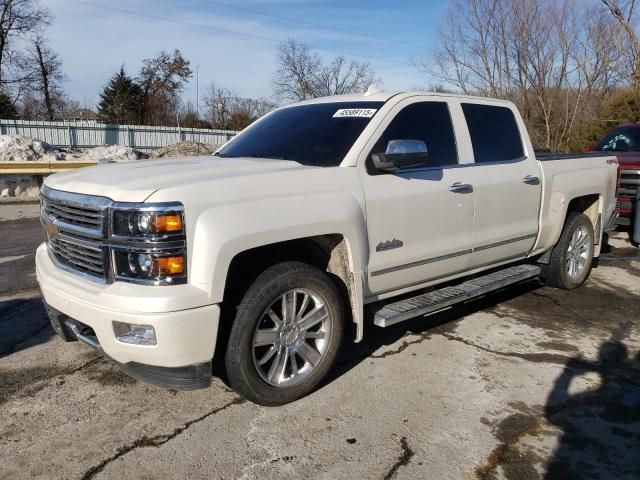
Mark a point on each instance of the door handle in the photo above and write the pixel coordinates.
(459, 187)
(531, 180)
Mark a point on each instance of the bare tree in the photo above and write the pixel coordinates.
(245, 111)
(162, 79)
(48, 76)
(342, 76)
(18, 18)
(219, 102)
(301, 74)
(624, 13)
(297, 66)
(226, 110)
(474, 50)
(556, 59)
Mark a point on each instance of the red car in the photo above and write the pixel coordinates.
(625, 142)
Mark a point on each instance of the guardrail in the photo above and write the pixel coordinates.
(40, 168)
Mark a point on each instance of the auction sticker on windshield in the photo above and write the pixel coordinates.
(355, 112)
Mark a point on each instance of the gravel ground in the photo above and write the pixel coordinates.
(527, 383)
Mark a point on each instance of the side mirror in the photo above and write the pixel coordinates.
(401, 154)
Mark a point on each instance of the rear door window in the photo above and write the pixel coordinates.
(494, 133)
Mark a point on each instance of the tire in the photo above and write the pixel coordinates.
(276, 355)
(569, 270)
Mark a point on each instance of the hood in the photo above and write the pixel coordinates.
(136, 181)
(628, 159)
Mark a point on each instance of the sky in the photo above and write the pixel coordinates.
(234, 42)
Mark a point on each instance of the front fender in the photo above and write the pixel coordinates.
(222, 232)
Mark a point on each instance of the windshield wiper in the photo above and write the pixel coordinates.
(253, 155)
(274, 157)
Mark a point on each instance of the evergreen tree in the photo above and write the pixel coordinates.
(121, 99)
(7, 109)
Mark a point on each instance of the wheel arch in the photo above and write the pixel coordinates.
(589, 204)
(586, 204)
(330, 253)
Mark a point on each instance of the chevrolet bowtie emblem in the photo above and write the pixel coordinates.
(51, 228)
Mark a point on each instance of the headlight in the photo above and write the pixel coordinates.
(156, 267)
(148, 243)
(133, 223)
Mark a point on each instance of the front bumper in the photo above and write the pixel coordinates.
(184, 337)
(189, 377)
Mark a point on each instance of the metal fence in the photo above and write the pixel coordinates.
(83, 134)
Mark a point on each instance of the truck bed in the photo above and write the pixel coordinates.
(575, 176)
(550, 156)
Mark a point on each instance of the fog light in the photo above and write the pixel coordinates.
(134, 334)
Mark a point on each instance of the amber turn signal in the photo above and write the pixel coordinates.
(169, 265)
(167, 223)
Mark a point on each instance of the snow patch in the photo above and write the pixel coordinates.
(112, 153)
(16, 148)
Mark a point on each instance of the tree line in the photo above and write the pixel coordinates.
(571, 66)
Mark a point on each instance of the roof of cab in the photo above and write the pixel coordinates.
(378, 96)
(383, 96)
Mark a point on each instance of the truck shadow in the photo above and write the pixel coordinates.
(375, 338)
(23, 323)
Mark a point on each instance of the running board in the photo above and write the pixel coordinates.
(445, 297)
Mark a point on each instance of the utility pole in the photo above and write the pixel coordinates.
(198, 104)
(197, 94)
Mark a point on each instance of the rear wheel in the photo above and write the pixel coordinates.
(572, 257)
(286, 334)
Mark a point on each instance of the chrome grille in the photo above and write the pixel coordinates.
(75, 226)
(82, 257)
(629, 182)
(74, 214)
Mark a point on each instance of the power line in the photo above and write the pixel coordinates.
(172, 20)
(224, 30)
(317, 25)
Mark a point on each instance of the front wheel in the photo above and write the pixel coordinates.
(286, 334)
(572, 257)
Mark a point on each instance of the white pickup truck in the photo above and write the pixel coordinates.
(265, 255)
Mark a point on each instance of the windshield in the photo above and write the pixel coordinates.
(623, 139)
(319, 134)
